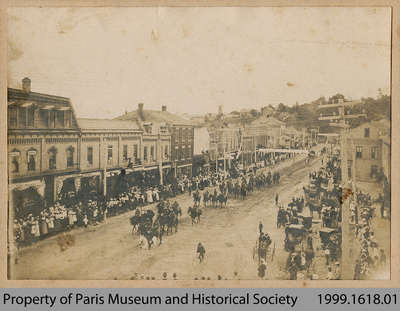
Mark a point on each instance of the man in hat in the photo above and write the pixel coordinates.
(200, 251)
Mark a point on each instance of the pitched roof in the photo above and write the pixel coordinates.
(107, 124)
(268, 121)
(16, 94)
(155, 116)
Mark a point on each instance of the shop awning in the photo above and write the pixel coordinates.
(304, 151)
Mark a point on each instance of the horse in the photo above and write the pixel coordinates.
(206, 197)
(214, 199)
(236, 190)
(281, 218)
(135, 221)
(195, 214)
(223, 199)
(196, 198)
(243, 191)
(150, 231)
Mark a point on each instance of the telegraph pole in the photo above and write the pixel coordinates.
(105, 171)
(340, 122)
(12, 250)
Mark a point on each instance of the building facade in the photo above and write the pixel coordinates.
(43, 144)
(368, 151)
(180, 130)
(51, 152)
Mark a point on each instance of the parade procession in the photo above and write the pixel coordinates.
(148, 196)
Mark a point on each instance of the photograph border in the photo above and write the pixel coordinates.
(395, 148)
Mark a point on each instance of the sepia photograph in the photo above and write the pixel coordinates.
(199, 143)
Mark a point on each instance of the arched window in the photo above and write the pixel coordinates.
(70, 156)
(52, 158)
(15, 156)
(31, 158)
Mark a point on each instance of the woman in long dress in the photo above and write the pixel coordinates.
(43, 225)
(149, 194)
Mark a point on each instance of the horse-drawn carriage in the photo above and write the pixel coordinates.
(306, 220)
(262, 249)
(312, 196)
(329, 236)
(296, 236)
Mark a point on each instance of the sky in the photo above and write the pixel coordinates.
(107, 60)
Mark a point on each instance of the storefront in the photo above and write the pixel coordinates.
(28, 198)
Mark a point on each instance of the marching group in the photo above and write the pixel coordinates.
(90, 208)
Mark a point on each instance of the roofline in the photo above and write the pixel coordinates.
(22, 92)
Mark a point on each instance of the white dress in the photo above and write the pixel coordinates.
(149, 194)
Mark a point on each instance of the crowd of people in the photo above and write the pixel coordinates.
(85, 208)
(371, 257)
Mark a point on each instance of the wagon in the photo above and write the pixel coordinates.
(295, 236)
(262, 251)
(328, 235)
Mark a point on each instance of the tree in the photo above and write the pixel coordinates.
(282, 107)
(254, 113)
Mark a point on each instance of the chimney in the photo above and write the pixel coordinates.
(163, 108)
(140, 111)
(26, 85)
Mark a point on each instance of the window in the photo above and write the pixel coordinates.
(90, 155)
(374, 153)
(109, 154)
(70, 157)
(15, 164)
(125, 152)
(59, 119)
(12, 117)
(135, 152)
(359, 152)
(349, 166)
(145, 153)
(166, 152)
(374, 171)
(52, 158)
(68, 118)
(31, 155)
(52, 119)
(366, 132)
(22, 117)
(152, 153)
(14, 155)
(31, 116)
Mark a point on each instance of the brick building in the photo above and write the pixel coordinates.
(181, 131)
(51, 152)
(43, 143)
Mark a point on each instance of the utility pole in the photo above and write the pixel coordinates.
(339, 121)
(105, 170)
(160, 158)
(12, 250)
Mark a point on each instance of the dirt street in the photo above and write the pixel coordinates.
(110, 251)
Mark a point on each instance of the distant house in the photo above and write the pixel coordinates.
(368, 151)
(267, 131)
